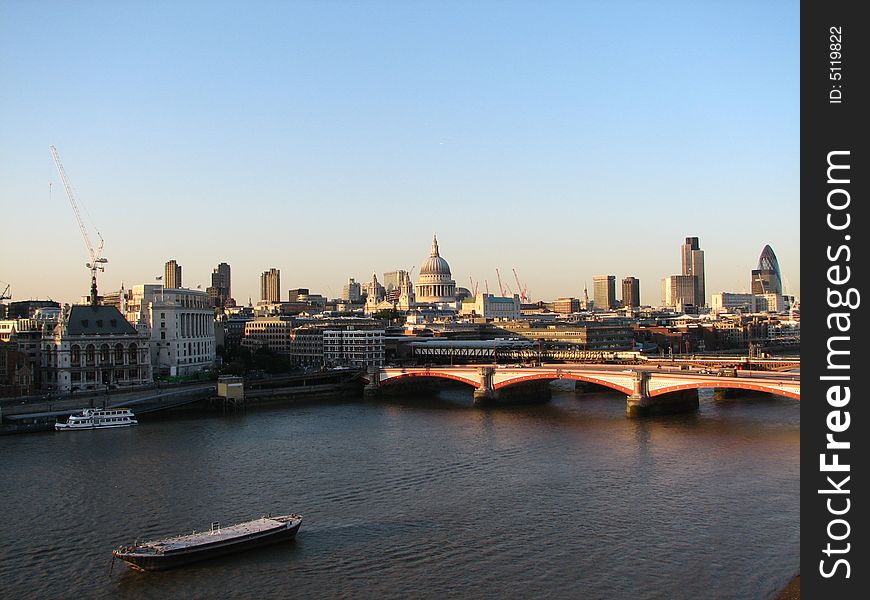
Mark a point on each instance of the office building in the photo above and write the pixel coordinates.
(767, 279)
(353, 347)
(298, 295)
(268, 332)
(219, 291)
(392, 280)
(678, 291)
(732, 302)
(604, 290)
(631, 292)
(180, 327)
(490, 306)
(693, 265)
(352, 291)
(566, 306)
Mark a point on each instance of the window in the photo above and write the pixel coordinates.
(162, 335)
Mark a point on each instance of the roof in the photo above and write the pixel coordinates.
(98, 320)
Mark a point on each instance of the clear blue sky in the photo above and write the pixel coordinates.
(330, 139)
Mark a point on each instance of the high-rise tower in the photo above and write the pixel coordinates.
(219, 291)
(172, 275)
(630, 292)
(693, 264)
(270, 285)
(767, 279)
(604, 289)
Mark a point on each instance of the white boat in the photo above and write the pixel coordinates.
(98, 418)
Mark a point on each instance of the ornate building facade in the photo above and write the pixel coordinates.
(93, 348)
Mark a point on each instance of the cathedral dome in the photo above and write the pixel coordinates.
(434, 285)
(435, 265)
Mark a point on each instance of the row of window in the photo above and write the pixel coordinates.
(119, 375)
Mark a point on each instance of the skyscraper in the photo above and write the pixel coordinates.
(270, 285)
(631, 292)
(219, 291)
(693, 264)
(604, 290)
(223, 278)
(172, 275)
(767, 279)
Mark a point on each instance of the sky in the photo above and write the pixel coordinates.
(332, 139)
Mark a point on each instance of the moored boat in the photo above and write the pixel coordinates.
(98, 418)
(180, 550)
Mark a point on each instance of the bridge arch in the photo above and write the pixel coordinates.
(430, 374)
(568, 375)
(726, 383)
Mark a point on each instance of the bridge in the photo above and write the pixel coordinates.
(649, 389)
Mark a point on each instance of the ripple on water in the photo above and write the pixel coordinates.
(433, 500)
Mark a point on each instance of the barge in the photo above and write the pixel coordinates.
(176, 551)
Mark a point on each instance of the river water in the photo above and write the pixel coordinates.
(419, 497)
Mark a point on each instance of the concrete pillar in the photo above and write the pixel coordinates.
(637, 404)
(485, 392)
(373, 387)
(640, 404)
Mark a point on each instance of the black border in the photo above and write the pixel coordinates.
(826, 127)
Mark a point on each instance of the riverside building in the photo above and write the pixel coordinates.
(352, 347)
(268, 332)
(94, 347)
(180, 326)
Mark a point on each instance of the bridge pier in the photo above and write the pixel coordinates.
(373, 387)
(485, 393)
(641, 404)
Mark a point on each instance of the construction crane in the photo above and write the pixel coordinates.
(500, 286)
(473, 288)
(522, 289)
(96, 256)
(5, 295)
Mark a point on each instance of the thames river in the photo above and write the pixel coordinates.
(419, 497)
